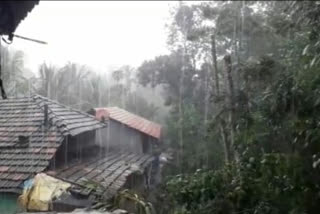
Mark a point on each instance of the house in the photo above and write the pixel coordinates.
(112, 171)
(38, 134)
(127, 131)
(87, 183)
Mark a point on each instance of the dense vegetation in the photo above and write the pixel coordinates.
(245, 119)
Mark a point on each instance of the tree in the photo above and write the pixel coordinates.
(274, 115)
(12, 63)
(63, 84)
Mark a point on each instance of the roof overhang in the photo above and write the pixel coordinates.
(12, 13)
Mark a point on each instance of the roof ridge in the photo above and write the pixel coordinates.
(64, 106)
(63, 127)
(133, 120)
(56, 123)
(135, 115)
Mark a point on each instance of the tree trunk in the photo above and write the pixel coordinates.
(181, 88)
(226, 145)
(223, 128)
(215, 64)
(231, 103)
(206, 109)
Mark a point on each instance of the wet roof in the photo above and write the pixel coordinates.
(24, 118)
(110, 170)
(132, 120)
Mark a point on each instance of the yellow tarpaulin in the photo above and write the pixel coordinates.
(43, 190)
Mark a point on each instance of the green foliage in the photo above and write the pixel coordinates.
(276, 116)
(140, 205)
(194, 149)
(269, 183)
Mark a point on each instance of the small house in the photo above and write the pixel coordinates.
(37, 135)
(127, 131)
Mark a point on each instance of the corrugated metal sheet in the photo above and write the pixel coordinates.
(132, 120)
(25, 117)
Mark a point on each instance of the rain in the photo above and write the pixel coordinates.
(165, 107)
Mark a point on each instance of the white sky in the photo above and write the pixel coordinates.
(101, 34)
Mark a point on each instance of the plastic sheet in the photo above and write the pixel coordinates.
(39, 192)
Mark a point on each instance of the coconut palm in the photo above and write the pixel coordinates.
(63, 84)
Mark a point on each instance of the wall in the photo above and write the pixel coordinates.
(81, 142)
(118, 136)
(74, 149)
(8, 203)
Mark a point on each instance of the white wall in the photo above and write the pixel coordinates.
(119, 137)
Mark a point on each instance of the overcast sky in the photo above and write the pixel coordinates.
(101, 34)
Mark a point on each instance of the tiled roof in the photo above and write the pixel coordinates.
(24, 117)
(111, 170)
(132, 120)
(68, 120)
